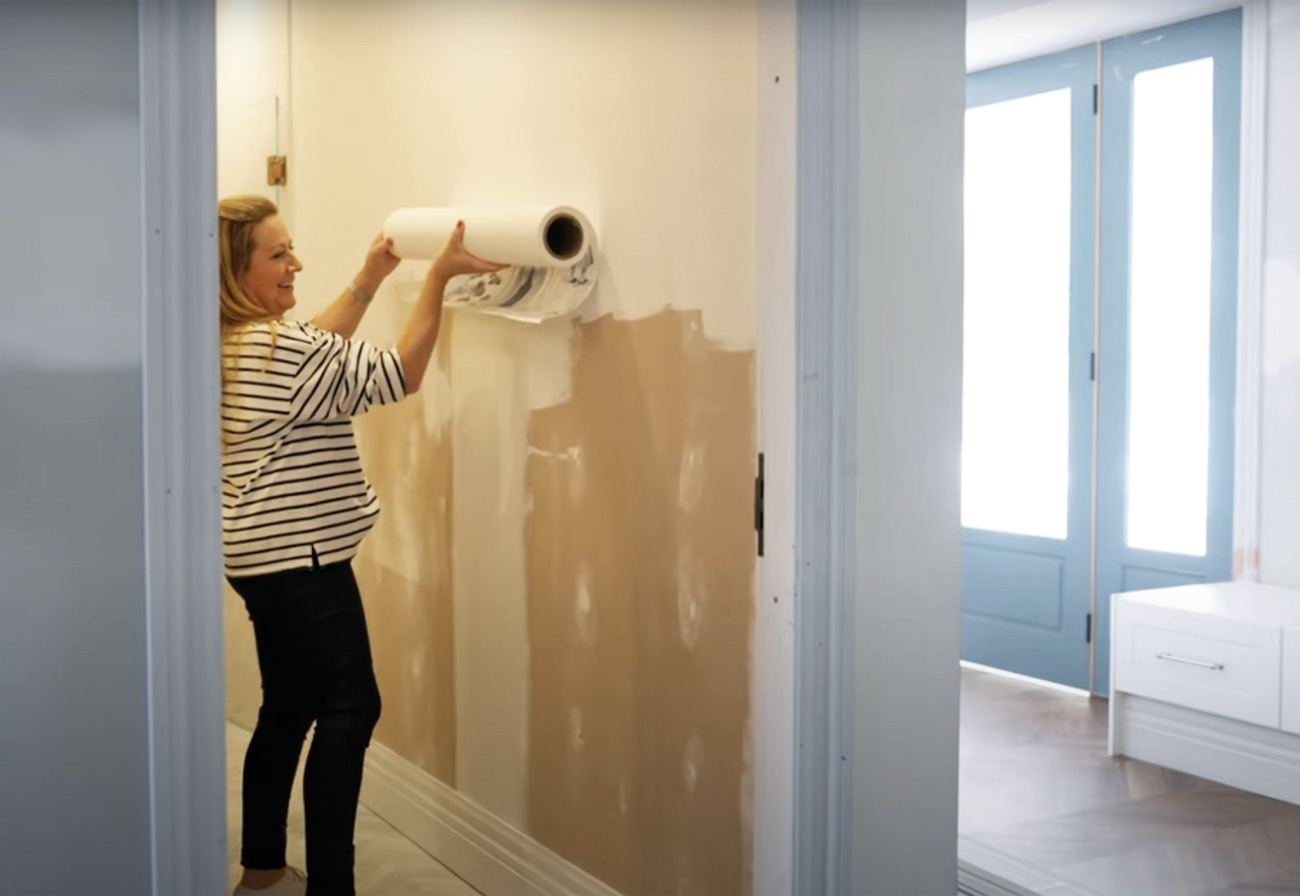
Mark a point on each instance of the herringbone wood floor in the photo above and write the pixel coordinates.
(1036, 784)
(387, 863)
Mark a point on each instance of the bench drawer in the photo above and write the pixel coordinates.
(1291, 679)
(1228, 667)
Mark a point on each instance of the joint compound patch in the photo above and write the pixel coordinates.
(690, 480)
(690, 597)
(576, 739)
(693, 762)
(584, 609)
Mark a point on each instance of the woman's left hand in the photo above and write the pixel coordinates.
(380, 260)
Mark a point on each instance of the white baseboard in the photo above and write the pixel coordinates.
(493, 856)
(1261, 760)
(985, 871)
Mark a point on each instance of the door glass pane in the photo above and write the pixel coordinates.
(1169, 307)
(1016, 388)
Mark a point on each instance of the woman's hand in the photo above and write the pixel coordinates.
(380, 260)
(456, 259)
(421, 332)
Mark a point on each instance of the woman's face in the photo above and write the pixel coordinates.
(271, 269)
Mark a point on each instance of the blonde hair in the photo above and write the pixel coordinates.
(237, 217)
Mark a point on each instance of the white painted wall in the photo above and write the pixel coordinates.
(252, 96)
(1279, 531)
(908, 416)
(74, 746)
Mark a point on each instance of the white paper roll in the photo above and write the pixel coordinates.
(550, 237)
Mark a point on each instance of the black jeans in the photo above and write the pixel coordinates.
(314, 653)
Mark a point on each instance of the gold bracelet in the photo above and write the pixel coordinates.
(358, 294)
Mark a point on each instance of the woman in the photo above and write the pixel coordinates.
(296, 506)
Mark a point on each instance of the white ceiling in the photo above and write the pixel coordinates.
(986, 9)
(1002, 31)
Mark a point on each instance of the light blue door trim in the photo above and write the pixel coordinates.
(1025, 599)
(826, 321)
(878, 318)
(181, 386)
(1119, 567)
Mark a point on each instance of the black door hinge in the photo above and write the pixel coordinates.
(1096, 98)
(1092, 368)
(758, 504)
(1088, 638)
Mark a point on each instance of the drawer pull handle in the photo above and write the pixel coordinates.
(1202, 664)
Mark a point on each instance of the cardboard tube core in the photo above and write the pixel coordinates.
(563, 237)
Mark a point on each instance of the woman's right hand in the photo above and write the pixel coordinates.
(455, 259)
(421, 333)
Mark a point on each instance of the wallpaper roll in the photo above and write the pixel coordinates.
(551, 253)
(540, 237)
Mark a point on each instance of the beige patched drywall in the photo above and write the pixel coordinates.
(640, 567)
(560, 588)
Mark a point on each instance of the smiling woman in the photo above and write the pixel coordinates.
(296, 505)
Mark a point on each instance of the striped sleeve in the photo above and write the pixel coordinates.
(314, 375)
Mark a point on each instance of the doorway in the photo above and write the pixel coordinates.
(1099, 370)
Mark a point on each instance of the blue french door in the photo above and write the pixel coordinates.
(1027, 391)
(1099, 372)
(1170, 119)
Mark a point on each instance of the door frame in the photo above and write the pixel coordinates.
(181, 385)
(181, 376)
(878, 426)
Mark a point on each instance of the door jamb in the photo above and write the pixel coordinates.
(180, 387)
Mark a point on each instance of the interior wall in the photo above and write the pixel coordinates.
(561, 584)
(1279, 531)
(74, 744)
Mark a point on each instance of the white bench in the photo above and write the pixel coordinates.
(1205, 679)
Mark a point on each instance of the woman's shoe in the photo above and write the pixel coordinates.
(294, 883)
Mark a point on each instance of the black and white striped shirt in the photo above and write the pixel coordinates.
(292, 484)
